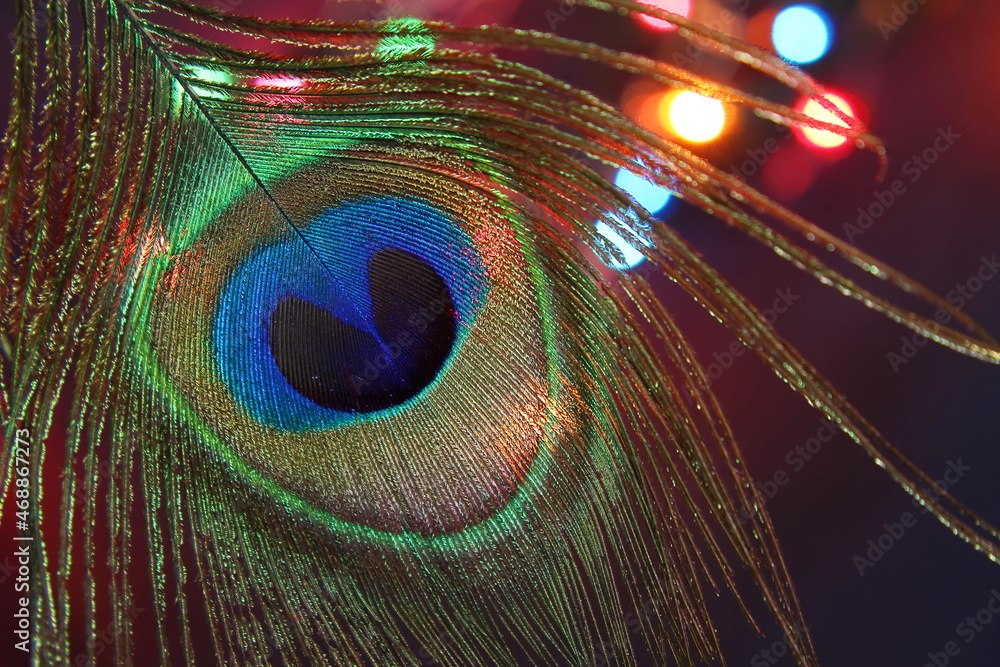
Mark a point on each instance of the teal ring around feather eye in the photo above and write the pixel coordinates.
(326, 266)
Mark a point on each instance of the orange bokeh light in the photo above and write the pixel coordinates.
(693, 117)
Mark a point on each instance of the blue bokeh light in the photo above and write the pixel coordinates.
(650, 196)
(632, 256)
(802, 33)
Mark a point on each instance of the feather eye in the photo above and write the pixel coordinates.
(332, 321)
(327, 355)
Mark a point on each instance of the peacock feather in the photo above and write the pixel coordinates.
(313, 359)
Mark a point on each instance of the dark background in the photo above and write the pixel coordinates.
(940, 69)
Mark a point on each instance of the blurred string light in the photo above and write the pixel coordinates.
(682, 7)
(692, 116)
(823, 138)
(801, 33)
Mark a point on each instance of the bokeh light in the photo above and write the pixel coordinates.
(759, 28)
(630, 254)
(801, 33)
(284, 82)
(682, 7)
(789, 173)
(822, 138)
(641, 102)
(650, 196)
(211, 76)
(694, 117)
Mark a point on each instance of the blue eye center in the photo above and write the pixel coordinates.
(359, 313)
(339, 366)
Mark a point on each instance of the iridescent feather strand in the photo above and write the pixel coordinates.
(340, 381)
